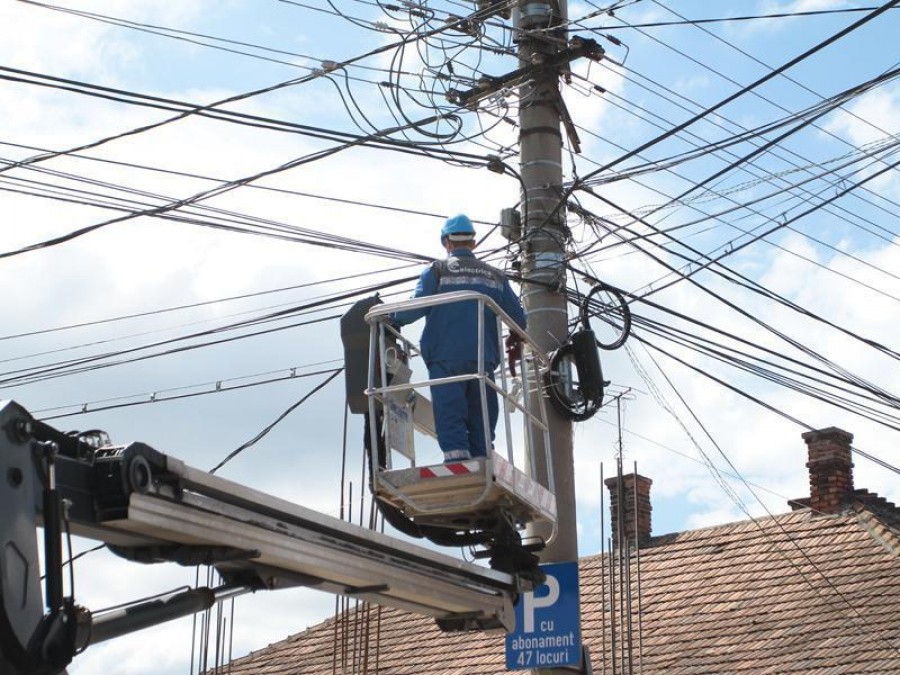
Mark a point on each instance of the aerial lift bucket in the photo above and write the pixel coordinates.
(485, 500)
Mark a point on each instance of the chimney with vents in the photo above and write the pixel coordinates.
(830, 469)
(635, 513)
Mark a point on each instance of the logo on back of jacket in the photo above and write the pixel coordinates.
(465, 273)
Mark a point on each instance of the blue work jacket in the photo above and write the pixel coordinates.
(451, 330)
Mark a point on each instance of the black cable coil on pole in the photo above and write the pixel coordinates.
(613, 311)
(578, 397)
(575, 381)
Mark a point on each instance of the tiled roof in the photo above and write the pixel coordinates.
(795, 594)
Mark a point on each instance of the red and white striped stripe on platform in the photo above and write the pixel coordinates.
(451, 469)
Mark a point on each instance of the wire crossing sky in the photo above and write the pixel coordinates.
(193, 195)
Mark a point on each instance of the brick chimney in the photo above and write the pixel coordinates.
(830, 469)
(631, 484)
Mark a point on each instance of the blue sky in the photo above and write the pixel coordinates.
(840, 262)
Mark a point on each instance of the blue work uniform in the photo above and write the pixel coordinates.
(450, 347)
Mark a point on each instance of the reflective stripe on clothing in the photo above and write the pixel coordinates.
(461, 280)
(450, 346)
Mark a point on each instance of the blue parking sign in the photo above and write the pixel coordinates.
(548, 622)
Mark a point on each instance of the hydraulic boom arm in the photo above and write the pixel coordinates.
(150, 507)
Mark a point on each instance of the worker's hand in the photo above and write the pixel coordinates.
(513, 352)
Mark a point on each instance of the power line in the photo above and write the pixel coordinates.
(786, 76)
(728, 99)
(222, 386)
(193, 305)
(234, 453)
(104, 360)
(217, 105)
(264, 188)
(711, 261)
(858, 619)
(751, 206)
(749, 17)
(196, 197)
(221, 219)
(765, 363)
(186, 108)
(190, 37)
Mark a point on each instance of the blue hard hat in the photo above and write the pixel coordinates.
(458, 225)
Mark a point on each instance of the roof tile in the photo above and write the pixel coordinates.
(796, 593)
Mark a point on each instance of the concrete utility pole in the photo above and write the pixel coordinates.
(543, 229)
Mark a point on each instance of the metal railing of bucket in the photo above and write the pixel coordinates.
(531, 367)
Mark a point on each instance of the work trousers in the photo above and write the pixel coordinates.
(458, 418)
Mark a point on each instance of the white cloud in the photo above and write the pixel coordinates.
(801, 6)
(781, 24)
(145, 264)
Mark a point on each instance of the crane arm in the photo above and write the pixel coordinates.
(151, 507)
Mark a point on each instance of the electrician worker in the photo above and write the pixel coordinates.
(449, 342)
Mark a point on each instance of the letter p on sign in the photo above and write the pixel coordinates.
(548, 622)
(531, 603)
